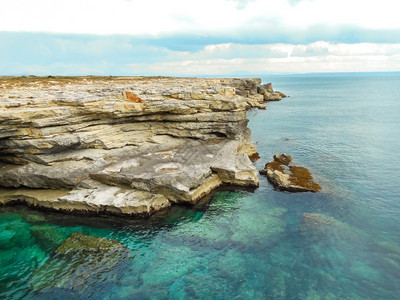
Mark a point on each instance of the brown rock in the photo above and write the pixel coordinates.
(283, 159)
(254, 157)
(132, 97)
(289, 178)
(302, 177)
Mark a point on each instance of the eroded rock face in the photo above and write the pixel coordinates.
(124, 145)
(287, 177)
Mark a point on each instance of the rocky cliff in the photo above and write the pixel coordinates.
(124, 145)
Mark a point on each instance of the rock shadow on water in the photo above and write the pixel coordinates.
(82, 266)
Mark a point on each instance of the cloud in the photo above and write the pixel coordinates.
(295, 2)
(209, 36)
(271, 65)
(241, 4)
(44, 54)
(177, 17)
(315, 57)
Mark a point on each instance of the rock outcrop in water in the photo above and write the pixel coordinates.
(269, 94)
(123, 145)
(287, 177)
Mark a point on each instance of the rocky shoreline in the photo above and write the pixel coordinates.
(124, 145)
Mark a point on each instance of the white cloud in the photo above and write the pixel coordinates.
(320, 48)
(116, 17)
(382, 14)
(241, 4)
(272, 65)
(121, 55)
(360, 49)
(315, 57)
(194, 17)
(295, 2)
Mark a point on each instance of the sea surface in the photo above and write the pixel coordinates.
(341, 243)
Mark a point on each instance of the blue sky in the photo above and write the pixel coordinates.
(208, 37)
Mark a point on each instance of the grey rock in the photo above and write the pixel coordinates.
(124, 145)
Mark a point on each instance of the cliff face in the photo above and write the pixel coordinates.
(124, 145)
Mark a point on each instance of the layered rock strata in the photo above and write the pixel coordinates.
(123, 145)
(287, 177)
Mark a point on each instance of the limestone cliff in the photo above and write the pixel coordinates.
(123, 145)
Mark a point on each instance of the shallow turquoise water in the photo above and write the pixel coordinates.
(255, 244)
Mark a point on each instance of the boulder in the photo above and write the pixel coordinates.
(255, 156)
(269, 94)
(287, 177)
(283, 159)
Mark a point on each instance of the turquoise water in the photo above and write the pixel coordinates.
(253, 244)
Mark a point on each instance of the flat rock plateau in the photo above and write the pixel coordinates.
(124, 145)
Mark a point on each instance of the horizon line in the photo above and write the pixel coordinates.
(232, 74)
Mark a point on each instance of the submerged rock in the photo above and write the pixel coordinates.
(79, 261)
(312, 221)
(287, 177)
(47, 236)
(263, 228)
(78, 243)
(171, 264)
(317, 225)
(124, 145)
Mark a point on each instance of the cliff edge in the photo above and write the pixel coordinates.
(123, 145)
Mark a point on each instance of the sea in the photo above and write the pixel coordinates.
(237, 243)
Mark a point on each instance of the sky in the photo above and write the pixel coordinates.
(207, 37)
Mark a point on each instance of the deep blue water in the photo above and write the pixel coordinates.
(244, 244)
